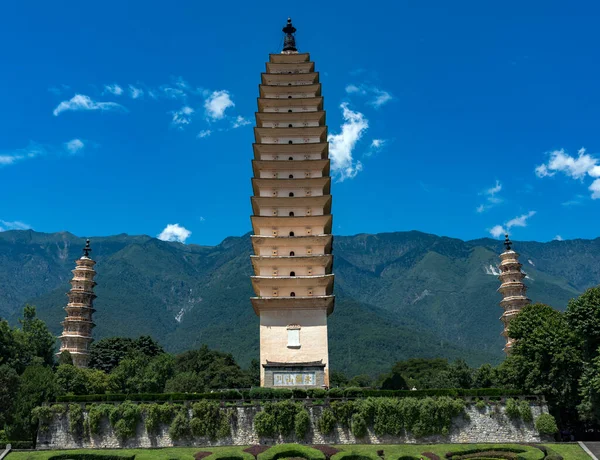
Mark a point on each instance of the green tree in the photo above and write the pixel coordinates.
(36, 338)
(546, 358)
(65, 357)
(485, 377)
(8, 344)
(107, 353)
(583, 316)
(185, 382)
(422, 373)
(460, 375)
(214, 369)
(254, 372)
(394, 381)
(338, 379)
(9, 383)
(71, 380)
(362, 380)
(36, 386)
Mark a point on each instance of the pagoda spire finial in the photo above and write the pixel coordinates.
(507, 242)
(87, 249)
(289, 42)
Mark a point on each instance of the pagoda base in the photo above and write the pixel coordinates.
(294, 375)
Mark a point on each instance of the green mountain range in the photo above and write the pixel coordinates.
(399, 295)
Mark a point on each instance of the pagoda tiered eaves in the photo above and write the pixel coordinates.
(513, 289)
(292, 221)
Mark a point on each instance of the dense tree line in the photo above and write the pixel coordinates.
(557, 354)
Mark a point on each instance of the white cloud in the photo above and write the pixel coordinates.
(497, 231)
(491, 197)
(173, 93)
(350, 89)
(342, 145)
(204, 133)
(174, 232)
(378, 143)
(381, 98)
(83, 102)
(216, 104)
(31, 151)
(74, 145)
(15, 225)
(182, 116)
(595, 188)
(135, 92)
(558, 238)
(575, 167)
(240, 121)
(519, 221)
(113, 89)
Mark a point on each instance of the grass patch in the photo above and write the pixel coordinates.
(570, 451)
(392, 452)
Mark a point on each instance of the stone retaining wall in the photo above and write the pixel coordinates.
(487, 425)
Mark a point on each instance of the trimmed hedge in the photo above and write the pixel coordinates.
(291, 450)
(297, 393)
(90, 457)
(354, 456)
(461, 453)
(17, 445)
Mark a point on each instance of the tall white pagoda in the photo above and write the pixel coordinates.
(77, 326)
(291, 222)
(513, 289)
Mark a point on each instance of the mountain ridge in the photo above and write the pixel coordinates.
(399, 294)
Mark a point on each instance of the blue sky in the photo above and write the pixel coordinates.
(455, 118)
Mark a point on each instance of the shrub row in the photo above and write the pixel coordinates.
(290, 451)
(16, 445)
(296, 393)
(392, 416)
(90, 457)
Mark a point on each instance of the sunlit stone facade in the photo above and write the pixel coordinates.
(513, 289)
(77, 326)
(291, 222)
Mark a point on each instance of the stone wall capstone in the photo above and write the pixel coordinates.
(489, 425)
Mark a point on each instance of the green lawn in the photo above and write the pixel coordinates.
(568, 451)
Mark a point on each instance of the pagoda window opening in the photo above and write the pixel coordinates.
(291, 233)
(292, 294)
(289, 84)
(291, 176)
(289, 110)
(290, 126)
(291, 213)
(290, 142)
(289, 97)
(292, 273)
(291, 194)
(290, 158)
(292, 253)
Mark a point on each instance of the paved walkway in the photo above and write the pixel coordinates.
(592, 448)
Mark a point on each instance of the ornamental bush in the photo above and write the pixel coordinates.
(209, 420)
(525, 411)
(158, 414)
(512, 408)
(90, 457)
(75, 419)
(180, 427)
(326, 423)
(95, 414)
(546, 424)
(124, 419)
(480, 404)
(359, 426)
(43, 416)
(301, 423)
(277, 418)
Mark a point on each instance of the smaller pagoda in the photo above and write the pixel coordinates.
(513, 289)
(77, 326)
